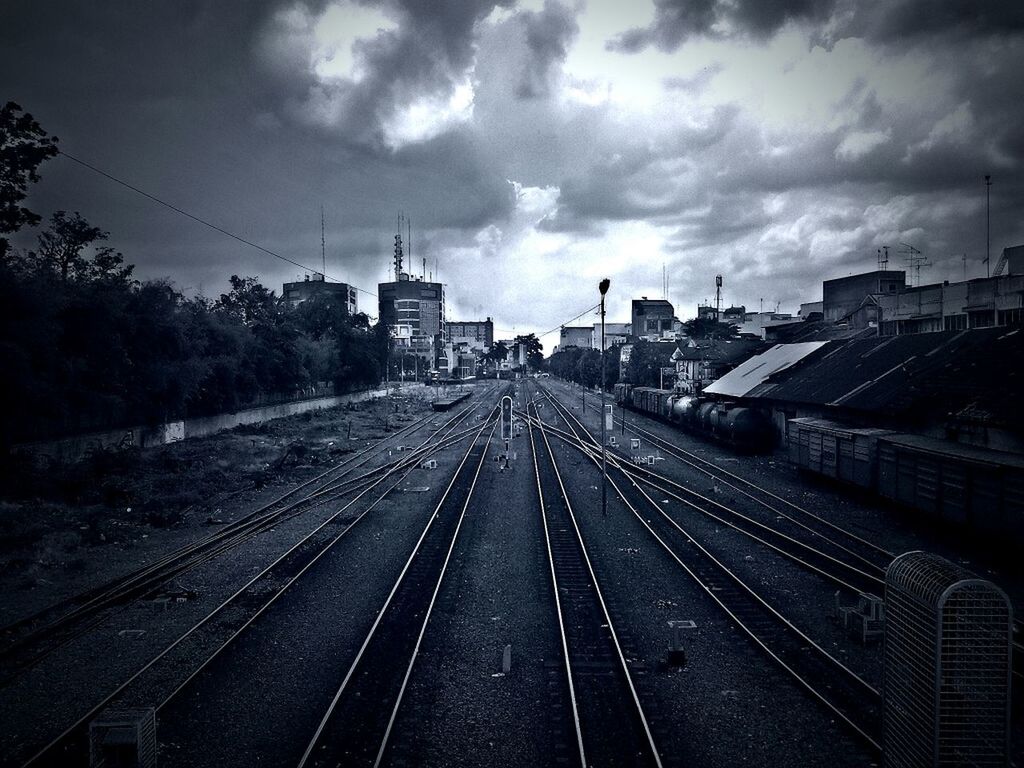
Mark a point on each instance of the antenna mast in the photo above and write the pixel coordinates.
(914, 260)
(323, 245)
(398, 250)
(718, 296)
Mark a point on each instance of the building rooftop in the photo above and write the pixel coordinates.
(975, 375)
(748, 376)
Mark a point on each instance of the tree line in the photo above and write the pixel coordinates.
(84, 345)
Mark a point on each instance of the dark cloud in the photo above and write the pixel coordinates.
(204, 105)
(905, 21)
(548, 35)
(894, 21)
(674, 21)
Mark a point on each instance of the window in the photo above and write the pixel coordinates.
(955, 322)
(1009, 317)
(983, 319)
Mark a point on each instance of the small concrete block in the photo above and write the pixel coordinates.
(506, 660)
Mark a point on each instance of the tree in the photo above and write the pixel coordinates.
(588, 368)
(534, 350)
(248, 300)
(645, 362)
(24, 145)
(497, 353)
(62, 250)
(709, 328)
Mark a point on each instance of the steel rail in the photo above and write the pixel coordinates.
(636, 708)
(409, 462)
(186, 558)
(666, 485)
(765, 607)
(308, 756)
(718, 473)
(558, 603)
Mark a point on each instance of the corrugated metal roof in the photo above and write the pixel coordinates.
(929, 374)
(749, 375)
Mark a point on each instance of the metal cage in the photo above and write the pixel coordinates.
(947, 666)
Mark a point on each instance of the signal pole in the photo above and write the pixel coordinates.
(988, 220)
(603, 287)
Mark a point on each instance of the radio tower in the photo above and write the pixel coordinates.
(718, 297)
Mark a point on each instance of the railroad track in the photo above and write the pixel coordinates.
(32, 639)
(870, 556)
(356, 728)
(162, 678)
(827, 680)
(610, 725)
(815, 555)
(873, 559)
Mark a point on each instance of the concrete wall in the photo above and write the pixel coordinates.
(71, 449)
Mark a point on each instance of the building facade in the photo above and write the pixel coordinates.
(480, 331)
(984, 302)
(414, 311)
(614, 335)
(575, 336)
(651, 318)
(844, 295)
(315, 285)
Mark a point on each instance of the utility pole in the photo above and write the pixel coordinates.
(988, 222)
(603, 287)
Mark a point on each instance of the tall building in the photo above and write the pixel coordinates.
(480, 331)
(300, 291)
(651, 318)
(413, 309)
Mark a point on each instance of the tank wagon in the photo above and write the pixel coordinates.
(743, 428)
(977, 488)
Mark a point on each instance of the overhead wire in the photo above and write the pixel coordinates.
(200, 220)
(251, 244)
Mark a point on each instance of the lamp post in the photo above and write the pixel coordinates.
(603, 287)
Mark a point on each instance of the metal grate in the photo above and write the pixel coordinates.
(123, 738)
(947, 666)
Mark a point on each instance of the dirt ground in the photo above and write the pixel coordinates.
(67, 527)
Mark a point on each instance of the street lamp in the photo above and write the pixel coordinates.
(603, 287)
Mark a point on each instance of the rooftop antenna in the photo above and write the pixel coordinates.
(323, 245)
(915, 260)
(398, 250)
(718, 296)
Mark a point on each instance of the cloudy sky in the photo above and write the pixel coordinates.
(536, 146)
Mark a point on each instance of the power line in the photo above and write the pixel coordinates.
(202, 221)
(575, 317)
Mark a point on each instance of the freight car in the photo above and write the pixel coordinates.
(980, 489)
(743, 428)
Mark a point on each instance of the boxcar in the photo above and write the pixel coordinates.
(834, 450)
(976, 487)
